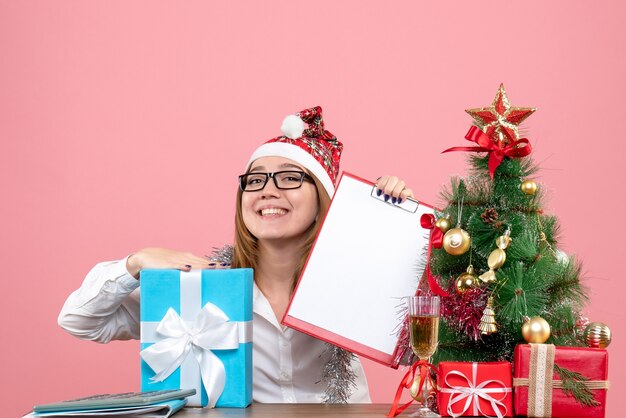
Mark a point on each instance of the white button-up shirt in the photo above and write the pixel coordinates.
(287, 364)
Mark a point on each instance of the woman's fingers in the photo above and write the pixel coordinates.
(221, 266)
(208, 265)
(204, 263)
(197, 262)
(162, 258)
(390, 184)
(398, 188)
(385, 185)
(184, 267)
(391, 188)
(406, 193)
(212, 264)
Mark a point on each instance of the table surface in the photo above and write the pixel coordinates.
(265, 410)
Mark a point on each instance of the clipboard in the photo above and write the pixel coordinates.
(367, 255)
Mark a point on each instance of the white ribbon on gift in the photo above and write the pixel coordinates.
(176, 337)
(472, 392)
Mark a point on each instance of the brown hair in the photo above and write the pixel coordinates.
(246, 251)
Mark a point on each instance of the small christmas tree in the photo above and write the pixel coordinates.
(495, 223)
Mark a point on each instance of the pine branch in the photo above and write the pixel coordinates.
(484, 235)
(551, 228)
(521, 295)
(574, 385)
(562, 319)
(567, 285)
(545, 267)
(524, 246)
(510, 167)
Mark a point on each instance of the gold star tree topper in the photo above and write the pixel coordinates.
(500, 120)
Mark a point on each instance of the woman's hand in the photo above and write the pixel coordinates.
(393, 188)
(162, 258)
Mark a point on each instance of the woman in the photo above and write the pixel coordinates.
(282, 199)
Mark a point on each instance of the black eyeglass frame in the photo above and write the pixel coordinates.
(303, 176)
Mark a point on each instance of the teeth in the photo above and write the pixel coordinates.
(273, 211)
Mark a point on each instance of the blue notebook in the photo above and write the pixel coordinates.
(160, 410)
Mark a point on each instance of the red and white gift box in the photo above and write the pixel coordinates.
(539, 390)
(474, 389)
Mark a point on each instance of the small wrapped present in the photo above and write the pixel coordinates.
(196, 333)
(474, 389)
(560, 382)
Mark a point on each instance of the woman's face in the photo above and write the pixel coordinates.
(275, 214)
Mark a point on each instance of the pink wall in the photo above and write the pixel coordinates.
(124, 124)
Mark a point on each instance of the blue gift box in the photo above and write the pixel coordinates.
(179, 297)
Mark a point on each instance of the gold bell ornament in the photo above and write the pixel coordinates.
(466, 281)
(497, 258)
(488, 323)
(529, 187)
(536, 330)
(597, 335)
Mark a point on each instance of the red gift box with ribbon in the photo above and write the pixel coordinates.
(475, 389)
(539, 385)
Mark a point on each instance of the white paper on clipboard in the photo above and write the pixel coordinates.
(368, 254)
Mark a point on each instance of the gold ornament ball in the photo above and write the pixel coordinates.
(529, 187)
(467, 281)
(597, 335)
(456, 241)
(431, 388)
(536, 330)
(443, 224)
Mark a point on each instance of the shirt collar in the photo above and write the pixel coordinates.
(262, 307)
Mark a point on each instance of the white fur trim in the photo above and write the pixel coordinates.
(292, 126)
(300, 156)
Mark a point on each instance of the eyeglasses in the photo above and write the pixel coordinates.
(253, 182)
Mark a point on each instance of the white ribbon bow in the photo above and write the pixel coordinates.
(473, 392)
(210, 331)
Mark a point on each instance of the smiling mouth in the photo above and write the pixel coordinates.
(272, 212)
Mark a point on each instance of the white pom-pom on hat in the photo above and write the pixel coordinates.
(292, 126)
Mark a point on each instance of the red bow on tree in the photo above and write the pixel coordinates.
(497, 152)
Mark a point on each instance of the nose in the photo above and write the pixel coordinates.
(270, 189)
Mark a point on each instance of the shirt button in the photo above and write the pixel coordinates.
(284, 375)
(284, 343)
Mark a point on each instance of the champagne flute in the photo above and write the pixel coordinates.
(424, 330)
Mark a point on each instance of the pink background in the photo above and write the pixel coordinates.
(124, 125)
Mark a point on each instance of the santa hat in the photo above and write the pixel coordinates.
(313, 147)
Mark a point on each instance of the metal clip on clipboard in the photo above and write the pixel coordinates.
(410, 205)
